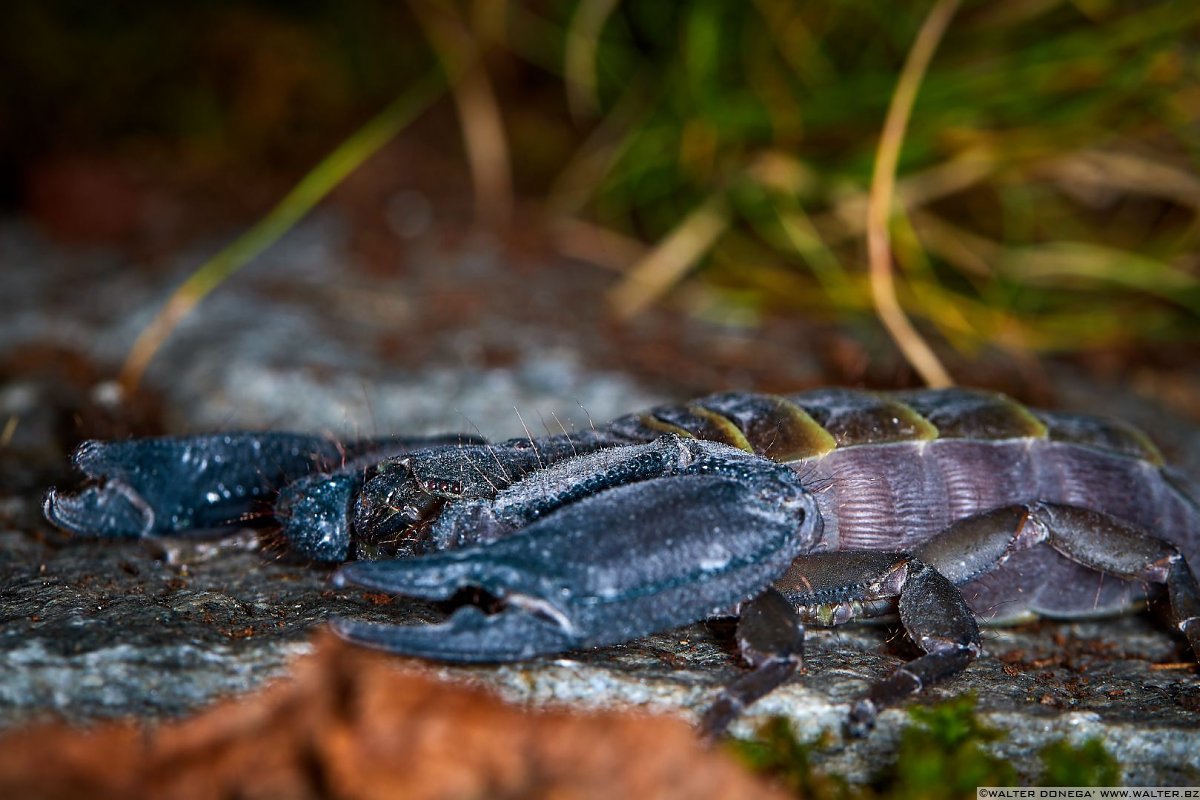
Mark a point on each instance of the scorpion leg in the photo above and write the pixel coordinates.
(835, 587)
(1120, 548)
(770, 637)
(1100, 541)
(935, 616)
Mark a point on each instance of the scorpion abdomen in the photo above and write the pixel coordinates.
(889, 470)
(896, 496)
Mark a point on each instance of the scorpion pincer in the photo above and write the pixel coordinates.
(941, 506)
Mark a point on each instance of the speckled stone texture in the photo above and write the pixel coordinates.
(92, 630)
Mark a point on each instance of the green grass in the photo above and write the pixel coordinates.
(1024, 189)
(1047, 190)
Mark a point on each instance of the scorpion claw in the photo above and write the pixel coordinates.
(438, 576)
(628, 561)
(112, 508)
(469, 635)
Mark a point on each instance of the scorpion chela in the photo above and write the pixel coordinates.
(816, 508)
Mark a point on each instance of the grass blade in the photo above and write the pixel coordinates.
(311, 189)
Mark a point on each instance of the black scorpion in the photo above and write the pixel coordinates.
(815, 508)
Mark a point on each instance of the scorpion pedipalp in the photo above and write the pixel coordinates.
(628, 561)
(165, 485)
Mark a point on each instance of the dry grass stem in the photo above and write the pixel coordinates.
(915, 349)
(1109, 172)
(593, 161)
(973, 254)
(597, 245)
(671, 259)
(484, 139)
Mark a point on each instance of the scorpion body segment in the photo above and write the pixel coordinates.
(821, 507)
(890, 471)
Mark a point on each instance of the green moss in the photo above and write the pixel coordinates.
(1088, 764)
(942, 753)
(777, 753)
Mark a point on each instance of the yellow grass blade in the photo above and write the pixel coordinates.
(883, 288)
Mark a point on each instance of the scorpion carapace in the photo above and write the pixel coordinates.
(815, 508)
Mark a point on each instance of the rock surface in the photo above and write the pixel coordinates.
(93, 630)
(352, 724)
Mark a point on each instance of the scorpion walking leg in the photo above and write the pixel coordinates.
(977, 544)
(770, 637)
(937, 618)
(1120, 548)
(836, 587)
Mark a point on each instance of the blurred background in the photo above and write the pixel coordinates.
(446, 211)
(712, 158)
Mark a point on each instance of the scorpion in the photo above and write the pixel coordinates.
(944, 507)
